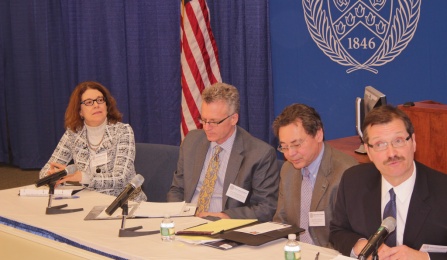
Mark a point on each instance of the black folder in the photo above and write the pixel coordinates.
(256, 240)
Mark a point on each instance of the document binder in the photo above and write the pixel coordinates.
(256, 240)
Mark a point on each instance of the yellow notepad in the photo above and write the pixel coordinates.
(217, 227)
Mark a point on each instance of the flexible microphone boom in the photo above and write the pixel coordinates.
(70, 169)
(388, 225)
(134, 184)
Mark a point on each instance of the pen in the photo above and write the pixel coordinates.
(316, 257)
(76, 191)
(71, 197)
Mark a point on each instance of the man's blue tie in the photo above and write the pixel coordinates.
(306, 198)
(390, 210)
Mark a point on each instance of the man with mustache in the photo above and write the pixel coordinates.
(310, 176)
(393, 185)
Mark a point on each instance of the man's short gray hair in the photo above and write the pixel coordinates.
(223, 92)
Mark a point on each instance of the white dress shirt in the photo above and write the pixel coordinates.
(403, 196)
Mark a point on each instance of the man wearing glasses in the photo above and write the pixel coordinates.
(394, 185)
(222, 169)
(310, 176)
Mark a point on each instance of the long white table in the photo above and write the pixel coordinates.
(102, 235)
(18, 244)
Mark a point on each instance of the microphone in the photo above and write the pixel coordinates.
(70, 169)
(388, 225)
(134, 184)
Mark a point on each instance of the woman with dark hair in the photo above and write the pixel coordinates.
(102, 148)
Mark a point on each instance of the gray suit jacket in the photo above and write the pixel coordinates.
(252, 166)
(332, 166)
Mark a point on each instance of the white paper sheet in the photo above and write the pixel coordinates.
(262, 228)
(160, 209)
(433, 248)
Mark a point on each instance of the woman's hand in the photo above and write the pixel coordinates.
(75, 177)
(57, 167)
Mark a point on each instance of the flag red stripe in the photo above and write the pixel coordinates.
(192, 64)
(206, 15)
(200, 39)
(193, 109)
(199, 60)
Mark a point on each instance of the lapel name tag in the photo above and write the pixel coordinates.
(99, 159)
(317, 219)
(237, 193)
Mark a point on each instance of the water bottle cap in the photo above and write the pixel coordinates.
(292, 236)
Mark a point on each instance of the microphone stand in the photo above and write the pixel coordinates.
(131, 232)
(57, 209)
(374, 254)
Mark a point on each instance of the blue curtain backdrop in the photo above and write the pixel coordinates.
(303, 73)
(133, 48)
(242, 33)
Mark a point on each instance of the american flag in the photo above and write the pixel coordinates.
(199, 60)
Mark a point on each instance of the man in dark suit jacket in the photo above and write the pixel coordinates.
(300, 132)
(363, 193)
(250, 165)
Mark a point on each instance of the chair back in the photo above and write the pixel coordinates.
(157, 163)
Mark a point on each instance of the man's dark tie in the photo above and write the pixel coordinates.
(390, 210)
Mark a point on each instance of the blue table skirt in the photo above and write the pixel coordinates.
(50, 235)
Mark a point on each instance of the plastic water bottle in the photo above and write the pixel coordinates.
(292, 250)
(167, 229)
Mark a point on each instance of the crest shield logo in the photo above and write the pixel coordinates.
(362, 34)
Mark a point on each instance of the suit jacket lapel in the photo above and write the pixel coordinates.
(372, 200)
(321, 183)
(234, 164)
(297, 180)
(418, 209)
(199, 162)
(108, 137)
(82, 154)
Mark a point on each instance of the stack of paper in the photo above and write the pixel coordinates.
(145, 210)
(262, 228)
(43, 192)
(161, 209)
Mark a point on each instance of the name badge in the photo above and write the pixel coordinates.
(237, 193)
(317, 219)
(99, 159)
